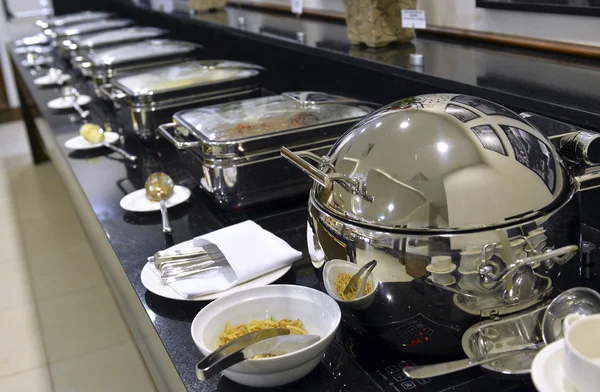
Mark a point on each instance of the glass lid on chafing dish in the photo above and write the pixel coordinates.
(78, 17)
(109, 37)
(237, 128)
(194, 77)
(442, 162)
(139, 51)
(91, 27)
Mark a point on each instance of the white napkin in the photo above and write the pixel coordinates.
(250, 251)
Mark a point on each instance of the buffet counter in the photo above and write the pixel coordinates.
(97, 180)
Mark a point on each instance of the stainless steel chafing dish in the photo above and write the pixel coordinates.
(102, 65)
(69, 19)
(64, 33)
(84, 44)
(467, 207)
(151, 97)
(232, 149)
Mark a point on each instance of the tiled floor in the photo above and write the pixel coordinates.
(60, 329)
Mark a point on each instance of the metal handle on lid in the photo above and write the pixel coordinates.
(354, 185)
(304, 98)
(489, 274)
(165, 130)
(111, 93)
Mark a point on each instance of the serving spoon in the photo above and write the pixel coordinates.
(93, 133)
(159, 187)
(579, 300)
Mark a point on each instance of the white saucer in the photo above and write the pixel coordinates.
(79, 142)
(547, 370)
(137, 202)
(152, 282)
(66, 103)
(50, 80)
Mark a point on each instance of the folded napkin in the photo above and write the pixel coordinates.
(250, 251)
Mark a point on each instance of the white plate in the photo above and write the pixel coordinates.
(137, 202)
(152, 282)
(50, 80)
(79, 142)
(547, 370)
(66, 103)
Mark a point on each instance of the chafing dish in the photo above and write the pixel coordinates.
(232, 149)
(84, 44)
(150, 98)
(102, 65)
(69, 19)
(466, 206)
(63, 34)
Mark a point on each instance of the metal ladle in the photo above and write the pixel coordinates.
(70, 93)
(159, 187)
(94, 133)
(579, 300)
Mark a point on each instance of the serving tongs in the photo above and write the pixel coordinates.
(178, 264)
(365, 270)
(276, 341)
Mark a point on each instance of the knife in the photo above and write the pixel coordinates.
(247, 347)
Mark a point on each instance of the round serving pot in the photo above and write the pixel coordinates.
(467, 208)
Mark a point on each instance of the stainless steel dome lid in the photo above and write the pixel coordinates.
(442, 162)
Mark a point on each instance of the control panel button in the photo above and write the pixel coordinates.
(428, 331)
(403, 364)
(424, 381)
(408, 385)
(412, 330)
(400, 377)
(392, 369)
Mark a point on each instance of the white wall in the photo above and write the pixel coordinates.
(464, 14)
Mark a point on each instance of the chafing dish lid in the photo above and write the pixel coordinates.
(225, 129)
(78, 17)
(139, 51)
(443, 162)
(184, 76)
(115, 36)
(91, 27)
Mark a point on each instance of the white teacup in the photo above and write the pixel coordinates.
(582, 352)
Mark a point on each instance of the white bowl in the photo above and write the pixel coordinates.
(320, 314)
(330, 273)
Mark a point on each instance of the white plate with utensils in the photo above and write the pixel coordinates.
(51, 79)
(79, 142)
(137, 201)
(62, 103)
(152, 282)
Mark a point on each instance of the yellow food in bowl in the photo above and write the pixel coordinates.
(342, 281)
(295, 326)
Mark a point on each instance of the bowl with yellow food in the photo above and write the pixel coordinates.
(337, 274)
(300, 309)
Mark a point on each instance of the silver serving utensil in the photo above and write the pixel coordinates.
(70, 93)
(159, 187)
(353, 284)
(278, 345)
(579, 300)
(180, 264)
(98, 131)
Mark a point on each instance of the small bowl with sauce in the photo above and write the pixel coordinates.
(337, 273)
